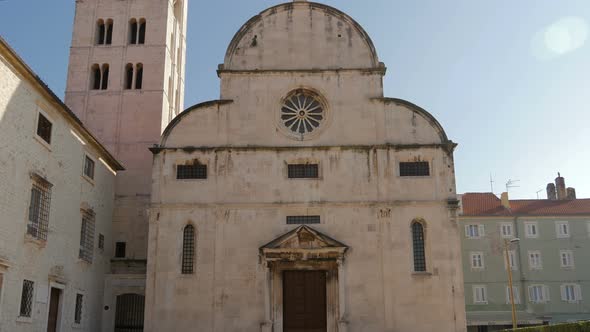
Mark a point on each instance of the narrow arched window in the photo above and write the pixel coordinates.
(418, 244)
(133, 31)
(128, 76)
(141, 37)
(95, 80)
(109, 32)
(100, 32)
(139, 76)
(105, 77)
(188, 249)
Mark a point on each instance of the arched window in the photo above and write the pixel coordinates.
(141, 37)
(133, 31)
(188, 249)
(95, 80)
(100, 32)
(109, 28)
(418, 244)
(139, 76)
(105, 77)
(129, 76)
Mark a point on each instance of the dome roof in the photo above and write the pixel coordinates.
(301, 35)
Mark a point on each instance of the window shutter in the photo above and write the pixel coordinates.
(531, 294)
(546, 294)
(481, 230)
(467, 231)
(578, 290)
(508, 295)
(563, 293)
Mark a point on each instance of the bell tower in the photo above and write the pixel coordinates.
(126, 83)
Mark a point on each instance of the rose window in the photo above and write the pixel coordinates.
(302, 113)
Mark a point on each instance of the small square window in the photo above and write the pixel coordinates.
(420, 168)
(120, 248)
(303, 171)
(190, 172)
(89, 167)
(44, 128)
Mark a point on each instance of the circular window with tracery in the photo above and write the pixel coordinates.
(303, 112)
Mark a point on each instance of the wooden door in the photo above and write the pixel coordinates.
(53, 310)
(304, 301)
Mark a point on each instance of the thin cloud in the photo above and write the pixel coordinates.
(559, 38)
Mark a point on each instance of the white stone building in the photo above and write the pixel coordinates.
(303, 199)
(57, 190)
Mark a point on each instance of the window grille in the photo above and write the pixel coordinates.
(188, 250)
(100, 241)
(303, 171)
(26, 301)
(419, 252)
(39, 209)
(303, 220)
(129, 313)
(420, 168)
(44, 128)
(87, 237)
(186, 172)
(120, 248)
(89, 167)
(78, 309)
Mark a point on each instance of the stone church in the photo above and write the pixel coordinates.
(303, 199)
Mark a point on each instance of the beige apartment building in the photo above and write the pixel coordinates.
(57, 190)
(303, 199)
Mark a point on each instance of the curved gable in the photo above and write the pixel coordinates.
(300, 35)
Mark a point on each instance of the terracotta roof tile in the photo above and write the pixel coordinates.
(488, 204)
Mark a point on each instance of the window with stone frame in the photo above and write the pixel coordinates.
(120, 249)
(535, 260)
(87, 236)
(415, 168)
(188, 250)
(531, 229)
(44, 127)
(26, 300)
(566, 258)
(480, 294)
(418, 247)
(477, 260)
(514, 292)
(78, 309)
(571, 293)
(538, 293)
(89, 167)
(39, 207)
(303, 171)
(191, 172)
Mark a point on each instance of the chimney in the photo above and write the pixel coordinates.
(560, 186)
(571, 193)
(505, 200)
(551, 193)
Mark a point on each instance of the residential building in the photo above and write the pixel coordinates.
(57, 190)
(551, 280)
(303, 199)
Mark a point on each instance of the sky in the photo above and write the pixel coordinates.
(508, 80)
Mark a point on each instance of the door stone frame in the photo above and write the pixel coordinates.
(304, 249)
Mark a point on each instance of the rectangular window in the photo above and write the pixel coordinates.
(39, 208)
(303, 220)
(562, 229)
(120, 248)
(480, 295)
(477, 260)
(538, 294)
(87, 237)
(78, 309)
(100, 242)
(512, 260)
(515, 293)
(89, 167)
(571, 293)
(420, 168)
(506, 230)
(535, 262)
(26, 300)
(531, 229)
(474, 231)
(190, 172)
(44, 128)
(303, 171)
(566, 258)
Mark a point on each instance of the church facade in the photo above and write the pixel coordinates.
(303, 199)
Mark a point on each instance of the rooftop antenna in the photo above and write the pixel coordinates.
(491, 183)
(511, 184)
(538, 191)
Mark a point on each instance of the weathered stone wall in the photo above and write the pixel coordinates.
(53, 262)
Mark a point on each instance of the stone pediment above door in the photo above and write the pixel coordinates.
(301, 244)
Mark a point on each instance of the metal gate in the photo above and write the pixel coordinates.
(129, 313)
